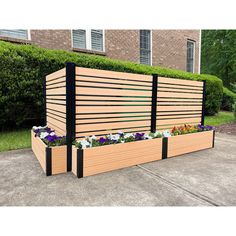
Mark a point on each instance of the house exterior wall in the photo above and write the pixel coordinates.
(169, 47)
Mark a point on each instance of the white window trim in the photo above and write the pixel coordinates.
(151, 43)
(28, 36)
(88, 40)
(194, 53)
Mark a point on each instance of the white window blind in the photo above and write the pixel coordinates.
(145, 47)
(79, 39)
(18, 34)
(97, 40)
(190, 56)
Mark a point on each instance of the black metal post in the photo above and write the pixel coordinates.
(154, 102)
(45, 101)
(203, 102)
(80, 163)
(164, 148)
(48, 161)
(70, 111)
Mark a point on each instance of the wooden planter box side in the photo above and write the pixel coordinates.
(182, 144)
(112, 157)
(53, 160)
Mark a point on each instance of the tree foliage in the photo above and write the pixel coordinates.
(218, 56)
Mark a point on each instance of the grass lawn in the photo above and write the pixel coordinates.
(14, 140)
(221, 118)
(21, 139)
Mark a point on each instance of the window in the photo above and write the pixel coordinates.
(18, 34)
(145, 47)
(190, 55)
(79, 39)
(88, 39)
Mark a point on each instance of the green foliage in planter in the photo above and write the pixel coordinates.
(229, 98)
(24, 67)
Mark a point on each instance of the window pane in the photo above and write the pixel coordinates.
(190, 56)
(79, 39)
(19, 34)
(97, 40)
(145, 47)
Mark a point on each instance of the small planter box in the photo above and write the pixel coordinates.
(52, 159)
(186, 143)
(101, 159)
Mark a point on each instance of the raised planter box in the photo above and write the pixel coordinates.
(186, 143)
(101, 159)
(52, 159)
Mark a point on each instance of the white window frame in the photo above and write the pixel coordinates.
(150, 49)
(88, 33)
(194, 49)
(28, 36)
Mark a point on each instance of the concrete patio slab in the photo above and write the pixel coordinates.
(205, 178)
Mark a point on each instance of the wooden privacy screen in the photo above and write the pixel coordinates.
(82, 102)
(178, 102)
(108, 101)
(56, 101)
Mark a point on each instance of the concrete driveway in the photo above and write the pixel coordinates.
(205, 178)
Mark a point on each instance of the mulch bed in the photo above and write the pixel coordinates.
(229, 128)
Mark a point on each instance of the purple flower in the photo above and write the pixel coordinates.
(139, 136)
(48, 130)
(37, 131)
(102, 140)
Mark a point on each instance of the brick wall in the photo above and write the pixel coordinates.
(170, 48)
(53, 39)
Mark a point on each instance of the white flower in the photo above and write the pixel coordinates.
(114, 137)
(146, 136)
(84, 143)
(166, 133)
(44, 135)
(122, 141)
(91, 138)
(52, 134)
(128, 135)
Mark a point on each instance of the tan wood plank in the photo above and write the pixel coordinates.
(179, 108)
(56, 101)
(57, 123)
(112, 74)
(178, 116)
(59, 159)
(56, 113)
(111, 103)
(74, 160)
(111, 119)
(180, 81)
(111, 92)
(115, 125)
(106, 109)
(177, 113)
(180, 86)
(115, 81)
(179, 103)
(58, 80)
(61, 84)
(101, 133)
(178, 95)
(178, 90)
(53, 116)
(120, 157)
(119, 115)
(56, 91)
(178, 145)
(60, 108)
(179, 99)
(56, 74)
(177, 121)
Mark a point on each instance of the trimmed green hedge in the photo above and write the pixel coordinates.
(228, 100)
(24, 67)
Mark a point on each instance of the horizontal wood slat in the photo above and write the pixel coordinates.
(177, 121)
(112, 74)
(57, 123)
(56, 81)
(180, 81)
(105, 109)
(112, 103)
(56, 91)
(57, 129)
(178, 90)
(178, 86)
(178, 95)
(56, 85)
(60, 108)
(109, 126)
(179, 108)
(113, 81)
(111, 92)
(57, 74)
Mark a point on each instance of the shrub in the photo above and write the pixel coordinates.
(24, 67)
(228, 100)
(235, 111)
